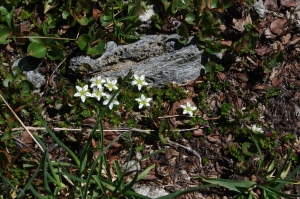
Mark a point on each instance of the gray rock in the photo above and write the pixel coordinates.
(131, 166)
(161, 58)
(149, 191)
(30, 65)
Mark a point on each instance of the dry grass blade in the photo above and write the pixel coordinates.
(21, 123)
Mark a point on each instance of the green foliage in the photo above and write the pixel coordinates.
(271, 187)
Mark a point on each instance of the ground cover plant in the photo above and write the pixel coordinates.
(232, 132)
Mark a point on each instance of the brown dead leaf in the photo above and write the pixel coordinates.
(9, 48)
(198, 132)
(239, 24)
(26, 138)
(226, 43)
(271, 5)
(294, 40)
(277, 26)
(276, 81)
(286, 38)
(96, 14)
(214, 139)
(262, 50)
(222, 76)
(221, 97)
(287, 3)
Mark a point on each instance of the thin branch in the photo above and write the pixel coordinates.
(21, 123)
(105, 130)
(171, 116)
(41, 37)
(188, 149)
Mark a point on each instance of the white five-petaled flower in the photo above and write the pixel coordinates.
(188, 108)
(98, 92)
(139, 81)
(111, 84)
(82, 92)
(256, 129)
(112, 103)
(97, 81)
(143, 101)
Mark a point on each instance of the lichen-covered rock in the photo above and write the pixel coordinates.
(161, 58)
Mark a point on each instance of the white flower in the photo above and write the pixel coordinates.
(111, 84)
(188, 109)
(139, 81)
(256, 129)
(97, 81)
(98, 92)
(82, 92)
(113, 102)
(143, 101)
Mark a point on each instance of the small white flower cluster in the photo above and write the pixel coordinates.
(256, 129)
(188, 109)
(98, 85)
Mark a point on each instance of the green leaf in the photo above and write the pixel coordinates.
(37, 50)
(183, 32)
(83, 41)
(183, 192)
(83, 21)
(190, 18)
(106, 19)
(55, 53)
(4, 32)
(240, 186)
(99, 49)
(207, 19)
(26, 88)
(33, 39)
(9, 78)
(3, 10)
(166, 4)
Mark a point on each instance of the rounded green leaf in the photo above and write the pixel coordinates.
(55, 53)
(34, 38)
(95, 51)
(37, 50)
(83, 41)
(4, 32)
(190, 18)
(83, 21)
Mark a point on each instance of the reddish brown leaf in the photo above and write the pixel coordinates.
(276, 81)
(271, 5)
(288, 3)
(277, 26)
(262, 50)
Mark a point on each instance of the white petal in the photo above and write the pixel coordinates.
(86, 87)
(136, 76)
(184, 112)
(78, 88)
(105, 102)
(142, 77)
(183, 106)
(138, 99)
(82, 98)
(77, 94)
(111, 106)
(116, 102)
(134, 82)
(139, 87)
(140, 106)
